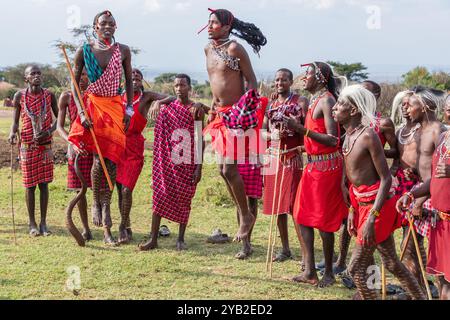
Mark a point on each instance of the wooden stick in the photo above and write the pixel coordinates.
(272, 217)
(383, 281)
(419, 255)
(278, 215)
(408, 236)
(91, 129)
(12, 195)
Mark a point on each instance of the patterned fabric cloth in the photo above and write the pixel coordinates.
(229, 143)
(253, 179)
(173, 163)
(423, 224)
(104, 83)
(36, 161)
(104, 106)
(132, 162)
(242, 114)
(84, 163)
(277, 111)
(404, 184)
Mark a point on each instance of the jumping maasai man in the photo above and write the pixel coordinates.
(104, 60)
(67, 106)
(234, 111)
(373, 217)
(319, 201)
(289, 162)
(422, 106)
(35, 105)
(176, 167)
(438, 186)
(132, 162)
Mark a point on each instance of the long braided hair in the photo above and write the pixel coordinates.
(243, 30)
(324, 73)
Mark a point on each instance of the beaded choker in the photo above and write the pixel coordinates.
(221, 52)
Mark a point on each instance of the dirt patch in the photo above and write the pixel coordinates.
(59, 152)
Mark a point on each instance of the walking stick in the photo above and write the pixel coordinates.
(383, 281)
(80, 98)
(12, 195)
(408, 236)
(272, 217)
(278, 215)
(419, 256)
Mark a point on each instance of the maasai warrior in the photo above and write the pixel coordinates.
(285, 151)
(104, 59)
(385, 129)
(438, 186)
(319, 201)
(67, 106)
(176, 168)
(228, 65)
(35, 106)
(422, 106)
(372, 217)
(132, 162)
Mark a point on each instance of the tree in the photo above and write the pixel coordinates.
(352, 71)
(421, 76)
(168, 77)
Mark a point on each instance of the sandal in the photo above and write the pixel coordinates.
(164, 231)
(282, 256)
(218, 237)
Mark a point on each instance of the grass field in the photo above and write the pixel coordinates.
(37, 268)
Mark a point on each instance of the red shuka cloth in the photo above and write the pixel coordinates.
(319, 202)
(132, 162)
(227, 144)
(388, 221)
(173, 171)
(36, 162)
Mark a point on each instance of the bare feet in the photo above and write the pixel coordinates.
(34, 231)
(309, 278)
(149, 245)
(123, 235)
(181, 245)
(327, 281)
(43, 230)
(97, 215)
(109, 239)
(87, 235)
(130, 234)
(246, 225)
(244, 253)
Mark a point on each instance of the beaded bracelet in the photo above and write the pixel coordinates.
(410, 196)
(375, 213)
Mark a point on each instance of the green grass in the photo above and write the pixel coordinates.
(37, 267)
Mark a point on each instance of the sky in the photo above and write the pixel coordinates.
(390, 37)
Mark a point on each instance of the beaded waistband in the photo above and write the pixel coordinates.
(323, 157)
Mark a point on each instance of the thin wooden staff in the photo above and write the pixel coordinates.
(12, 195)
(272, 218)
(408, 236)
(419, 255)
(91, 129)
(383, 281)
(278, 207)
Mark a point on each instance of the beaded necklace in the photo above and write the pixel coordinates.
(36, 119)
(347, 150)
(407, 138)
(444, 154)
(221, 52)
(317, 96)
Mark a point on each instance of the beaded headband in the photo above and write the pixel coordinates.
(319, 75)
(230, 20)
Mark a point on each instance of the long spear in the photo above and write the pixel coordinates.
(80, 98)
